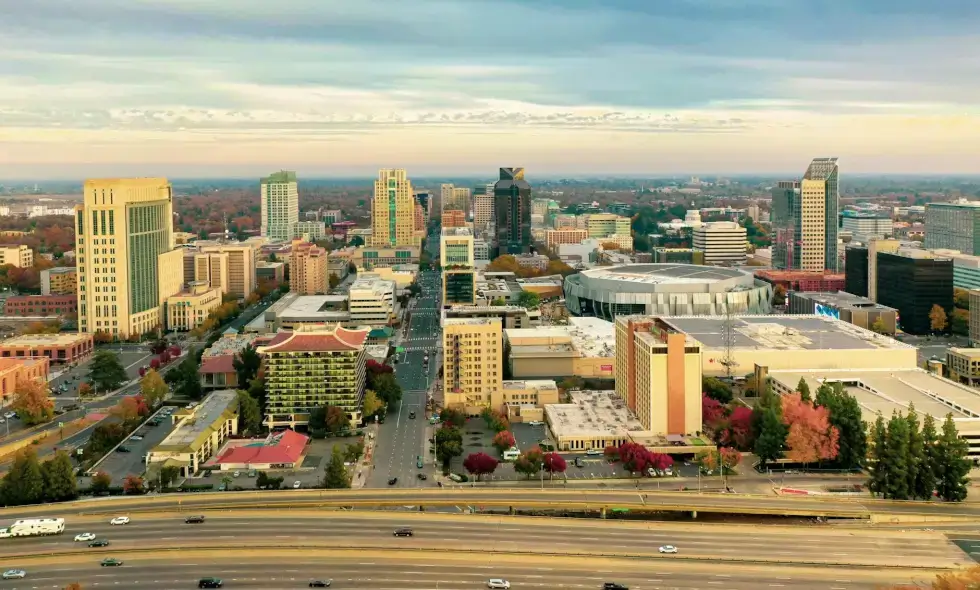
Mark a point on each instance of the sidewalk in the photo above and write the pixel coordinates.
(366, 462)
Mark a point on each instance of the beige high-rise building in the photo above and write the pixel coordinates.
(211, 268)
(279, 194)
(127, 264)
(453, 197)
(393, 210)
(472, 362)
(308, 269)
(483, 207)
(20, 256)
(241, 281)
(888, 246)
(189, 308)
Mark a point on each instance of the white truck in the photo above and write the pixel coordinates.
(33, 527)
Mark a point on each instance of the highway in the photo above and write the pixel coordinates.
(457, 551)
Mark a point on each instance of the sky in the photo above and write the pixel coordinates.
(209, 88)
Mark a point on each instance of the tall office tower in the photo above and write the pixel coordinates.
(393, 210)
(722, 242)
(512, 208)
(473, 360)
(954, 226)
(127, 264)
(913, 281)
(241, 267)
(457, 262)
(785, 225)
(454, 197)
(279, 194)
(805, 219)
(482, 207)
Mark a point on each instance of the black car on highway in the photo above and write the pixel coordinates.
(614, 586)
(406, 532)
(392, 481)
(320, 583)
(99, 543)
(210, 583)
(194, 519)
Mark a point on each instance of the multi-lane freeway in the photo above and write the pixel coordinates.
(358, 550)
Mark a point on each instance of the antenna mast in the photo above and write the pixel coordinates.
(728, 340)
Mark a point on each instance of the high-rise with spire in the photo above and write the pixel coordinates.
(512, 208)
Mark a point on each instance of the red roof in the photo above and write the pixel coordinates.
(339, 339)
(218, 364)
(283, 447)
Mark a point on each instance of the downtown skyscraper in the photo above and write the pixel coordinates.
(805, 218)
(279, 195)
(512, 212)
(393, 210)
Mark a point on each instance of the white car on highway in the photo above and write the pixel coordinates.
(498, 583)
(120, 520)
(13, 574)
(85, 537)
(668, 549)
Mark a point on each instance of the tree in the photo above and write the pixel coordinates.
(336, 476)
(730, 458)
(387, 387)
(247, 363)
(333, 281)
(452, 417)
(707, 460)
(877, 468)
(59, 478)
(184, 378)
(916, 451)
(153, 389)
(249, 414)
(968, 579)
(503, 440)
(953, 465)
(635, 457)
(804, 390)
(495, 420)
(169, 475)
(712, 413)
(811, 437)
(331, 419)
(845, 416)
(24, 482)
(528, 300)
(771, 440)
(371, 403)
(133, 485)
(554, 463)
(101, 482)
(480, 464)
(84, 390)
(130, 408)
(530, 462)
(353, 452)
(879, 327)
(925, 483)
(31, 402)
(896, 458)
(106, 372)
(449, 444)
(937, 318)
(737, 429)
(717, 389)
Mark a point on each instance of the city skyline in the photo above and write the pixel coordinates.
(95, 88)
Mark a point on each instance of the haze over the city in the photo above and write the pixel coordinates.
(327, 87)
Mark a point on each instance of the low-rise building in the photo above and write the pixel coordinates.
(41, 305)
(270, 271)
(963, 365)
(13, 372)
(372, 300)
(852, 309)
(339, 262)
(677, 256)
(543, 287)
(803, 280)
(532, 261)
(593, 420)
(189, 308)
(370, 258)
(586, 347)
(218, 372)
(199, 433)
(280, 450)
(62, 280)
(310, 231)
(510, 316)
(20, 256)
(524, 401)
(569, 235)
(61, 348)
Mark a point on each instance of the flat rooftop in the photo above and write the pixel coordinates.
(591, 413)
(843, 300)
(311, 307)
(592, 337)
(230, 344)
(783, 332)
(886, 390)
(199, 421)
(470, 321)
(34, 340)
(535, 384)
(971, 353)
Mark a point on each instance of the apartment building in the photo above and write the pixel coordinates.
(372, 300)
(393, 211)
(721, 242)
(20, 256)
(279, 194)
(310, 231)
(555, 237)
(454, 198)
(472, 363)
(310, 369)
(954, 226)
(189, 308)
(242, 260)
(600, 225)
(658, 375)
(59, 281)
(308, 269)
(126, 261)
(453, 218)
(482, 206)
(40, 305)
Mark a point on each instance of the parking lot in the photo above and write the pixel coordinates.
(122, 464)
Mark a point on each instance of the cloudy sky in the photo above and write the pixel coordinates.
(343, 87)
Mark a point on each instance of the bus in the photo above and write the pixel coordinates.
(32, 527)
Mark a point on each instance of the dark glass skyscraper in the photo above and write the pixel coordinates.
(512, 212)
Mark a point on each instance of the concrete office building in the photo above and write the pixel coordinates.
(189, 308)
(658, 375)
(912, 281)
(371, 258)
(601, 225)
(454, 218)
(210, 268)
(510, 316)
(721, 242)
(677, 256)
(270, 271)
(127, 264)
(473, 358)
(865, 226)
(954, 226)
(454, 198)
(63, 348)
(482, 207)
(62, 280)
(512, 208)
(372, 301)
(805, 219)
(393, 211)
(974, 317)
(199, 433)
(966, 268)
(860, 311)
(458, 264)
(40, 305)
(242, 259)
(310, 231)
(308, 269)
(310, 369)
(20, 256)
(555, 237)
(586, 348)
(279, 196)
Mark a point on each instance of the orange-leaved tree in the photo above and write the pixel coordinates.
(31, 402)
(811, 437)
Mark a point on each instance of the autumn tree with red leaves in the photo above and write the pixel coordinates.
(554, 463)
(811, 437)
(503, 440)
(480, 464)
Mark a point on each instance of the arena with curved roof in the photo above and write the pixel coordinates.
(665, 289)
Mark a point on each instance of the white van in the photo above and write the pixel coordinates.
(594, 452)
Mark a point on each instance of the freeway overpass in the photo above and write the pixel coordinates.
(522, 499)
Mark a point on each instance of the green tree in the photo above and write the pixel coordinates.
(771, 442)
(371, 403)
(184, 378)
(249, 414)
(916, 456)
(353, 452)
(336, 476)
(333, 281)
(59, 478)
(529, 300)
(879, 327)
(247, 364)
(106, 372)
(896, 459)
(717, 389)
(925, 483)
(530, 462)
(804, 390)
(453, 417)
(24, 483)
(954, 467)
(101, 482)
(331, 419)
(387, 387)
(153, 388)
(877, 468)
(449, 444)
(169, 475)
(845, 415)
